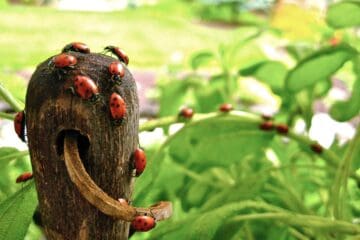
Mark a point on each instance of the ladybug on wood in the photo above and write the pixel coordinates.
(24, 177)
(117, 108)
(117, 71)
(120, 54)
(139, 161)
(86, 88)
(76, 47)
(143, 223)
(19, 125)
(64, 60)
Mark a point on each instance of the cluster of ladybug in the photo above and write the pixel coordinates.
(86, 89)
(283, 129)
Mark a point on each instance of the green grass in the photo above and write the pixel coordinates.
(149, 35)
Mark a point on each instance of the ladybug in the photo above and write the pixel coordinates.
(139, 161)
(121, 54)
(186, 113)
(76, 47)
(282, 129)
(86, 88)
(19, 125)
(266, 126)
(117, 107)
(266, 117)
(64, 60)
(226, 107)
(24, 177)
(117, 71)
(143, 223)
(317, 148)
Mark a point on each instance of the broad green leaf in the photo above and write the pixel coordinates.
(344, 14)
(201, 59)
(318, 67)
(272, 73)
(9, 153)
(16, 213)
(345, 110)
(217, 142)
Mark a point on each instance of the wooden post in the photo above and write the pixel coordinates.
(53, 111)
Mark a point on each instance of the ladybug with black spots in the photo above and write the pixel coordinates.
(117, 71)
(143, 223)
(86, 88)
(24, 177)
(63, 61)
(19, 125)
(139, 161)
(117, 108)
(76, 47)
(120, 54)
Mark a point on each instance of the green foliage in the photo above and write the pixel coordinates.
(344, 14)
(226, 178)
(16, 213)
(318, 67)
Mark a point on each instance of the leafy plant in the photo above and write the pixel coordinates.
(237, 174)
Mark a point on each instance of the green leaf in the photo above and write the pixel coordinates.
(16, 213)
(272, 73)
(9, 153)
(345, 110)
(201, 59)
(344, 14)
(233, 139)
(318, 67)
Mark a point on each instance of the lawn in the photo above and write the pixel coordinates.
(150, 35)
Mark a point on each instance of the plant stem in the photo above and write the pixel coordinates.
(343, 172)
(309, 221)
(6, 116)
(9, 98)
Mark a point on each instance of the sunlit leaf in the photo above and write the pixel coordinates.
(344, 14)
(272, 73)
(16, 213)
(318, 67)
(202, 58)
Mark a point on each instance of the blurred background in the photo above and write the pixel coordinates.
(196, 53)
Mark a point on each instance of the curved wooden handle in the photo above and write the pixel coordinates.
(97, 197)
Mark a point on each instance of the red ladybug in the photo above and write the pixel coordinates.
(186, 113)
(76, 47)
(64, 60)
(282, 129)
(24, 177)
(317, 148)
(85, 87)
(226, 107)
(117, 71)
(143, 223)
(19, 125)
(139, 161)
(266, 126)
(121, 54)
(117, 107)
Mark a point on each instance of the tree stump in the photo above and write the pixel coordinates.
(55, 113)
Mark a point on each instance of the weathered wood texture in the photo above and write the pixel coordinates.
(51, 109)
